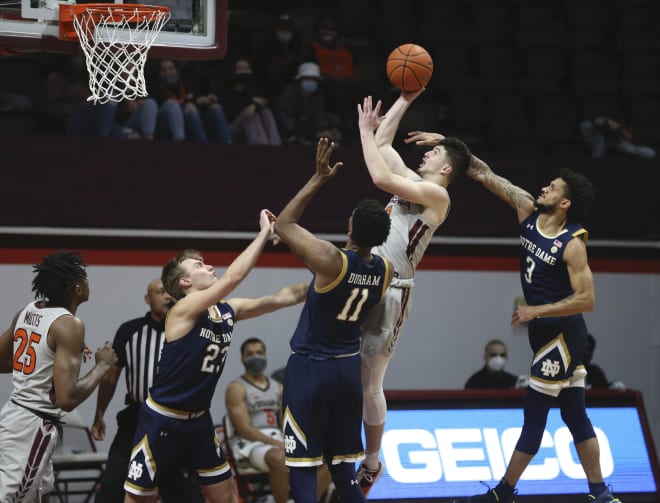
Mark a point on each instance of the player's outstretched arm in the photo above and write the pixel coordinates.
(386, 131)
(287, 296)
(425, 193)
(583, 298)
(185, 312)
(519, 199)
(321, 256)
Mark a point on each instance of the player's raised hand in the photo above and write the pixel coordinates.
(423, 138)
(267, 220)
(369, 116)
(324, 149)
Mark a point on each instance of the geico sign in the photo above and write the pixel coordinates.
(463, 454)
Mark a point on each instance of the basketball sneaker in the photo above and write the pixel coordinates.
(605, 497)
(490, 497)
(368, 478)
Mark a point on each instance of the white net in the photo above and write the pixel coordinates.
(115, 40)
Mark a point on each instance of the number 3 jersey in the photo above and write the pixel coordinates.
(190, 367)
(329, 324)
(543, 272)
(34, 360)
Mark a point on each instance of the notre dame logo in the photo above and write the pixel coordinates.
(289, 443)
(135, 470)
(550, 367)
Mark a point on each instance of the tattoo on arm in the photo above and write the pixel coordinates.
(514, 195)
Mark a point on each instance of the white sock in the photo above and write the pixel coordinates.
(371, 460)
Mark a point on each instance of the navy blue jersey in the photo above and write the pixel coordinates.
(190, 367)
(329, 323)
(543, 272)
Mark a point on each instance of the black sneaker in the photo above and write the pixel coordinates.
(605, 497)
(490, 497)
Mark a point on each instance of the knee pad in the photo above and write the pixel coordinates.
(574, 414)
(536, 410)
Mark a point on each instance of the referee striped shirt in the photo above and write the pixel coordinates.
(138, 344)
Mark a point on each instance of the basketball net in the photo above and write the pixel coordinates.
(115, 39)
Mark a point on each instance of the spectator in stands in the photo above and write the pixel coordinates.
(182, 114)
(493, 375)
(604, 135)
(341, 88)
(251, 119)
(64, 102)
(276, 60)
(301, 109)
(595, 375)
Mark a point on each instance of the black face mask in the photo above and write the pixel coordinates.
(243, 80)
(255, 365)
(171, 82)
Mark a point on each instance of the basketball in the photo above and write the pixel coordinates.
(409, 67)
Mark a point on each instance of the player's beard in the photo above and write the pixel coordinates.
(546, 208)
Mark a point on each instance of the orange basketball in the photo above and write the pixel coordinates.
(409, 67)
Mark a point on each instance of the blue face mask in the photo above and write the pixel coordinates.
(309, 86)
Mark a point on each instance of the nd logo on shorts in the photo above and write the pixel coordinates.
(142, 469)
(552, 362)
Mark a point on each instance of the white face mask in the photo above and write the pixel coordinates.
(497, 363)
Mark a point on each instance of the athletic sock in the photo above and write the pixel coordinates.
(504, 490)
(595, 488)
(371, 460)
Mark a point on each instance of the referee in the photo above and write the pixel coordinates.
(138, 344)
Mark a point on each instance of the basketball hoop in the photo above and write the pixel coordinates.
(115, 39)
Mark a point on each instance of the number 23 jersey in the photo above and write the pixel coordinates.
(190, 367)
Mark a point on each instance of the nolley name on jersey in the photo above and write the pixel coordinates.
(218, 338)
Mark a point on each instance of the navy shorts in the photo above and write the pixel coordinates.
(558, 345)
(163, 443)
(322, 411)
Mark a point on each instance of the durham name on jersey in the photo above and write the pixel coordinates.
(543, 272)
(329, 324)
(190, 367)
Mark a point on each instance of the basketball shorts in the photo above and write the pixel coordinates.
(558, 344)
(382, 326)
(322, 404)
(162, 444)
(27, 442)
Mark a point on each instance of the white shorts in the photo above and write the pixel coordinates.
(381, 328)
(253, 453)
(27, 443)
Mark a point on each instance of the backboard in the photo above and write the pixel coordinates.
(196, 29)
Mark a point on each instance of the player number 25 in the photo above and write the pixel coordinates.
(25, 358)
